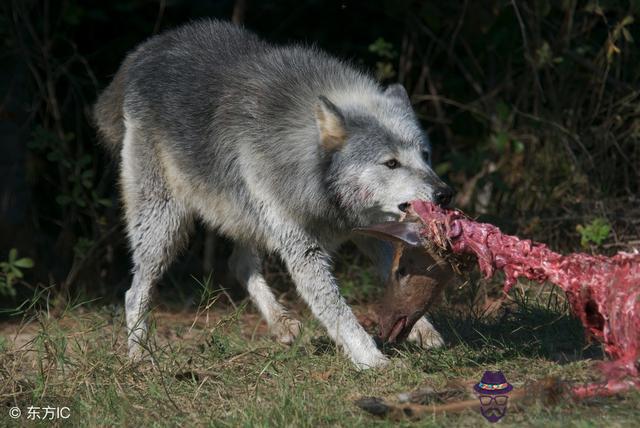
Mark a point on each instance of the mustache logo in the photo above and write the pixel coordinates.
(492, 392)
(493, 411)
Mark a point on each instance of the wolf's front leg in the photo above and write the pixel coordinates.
(310, 269)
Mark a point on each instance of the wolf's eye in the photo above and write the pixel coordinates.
(426, 156)
(392, 164)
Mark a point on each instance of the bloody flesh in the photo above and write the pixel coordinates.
(604, 292)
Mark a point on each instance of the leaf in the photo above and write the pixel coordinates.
(25, 263)
(63, 199)
(500, 141)
(627, 20)
(518, 146)
(595, 232)
(382, 48)
(53, 156)
(6, 288)
(544, 55)
(87, 178)
(384, 70)
(82, 246)
(84, 160)
(16, 272)
(13, 254)
(69, 136)
(443, 168)
(104, 202)
(594, 7)
(503, 111)
(612, 50)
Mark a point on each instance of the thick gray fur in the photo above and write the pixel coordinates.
(209, 121)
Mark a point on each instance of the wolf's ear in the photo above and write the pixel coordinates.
(398, 93)
(407, 233)
(331, 125)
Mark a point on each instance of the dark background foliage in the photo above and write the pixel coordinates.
(533, 108)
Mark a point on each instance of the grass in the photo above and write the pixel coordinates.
(217, 367)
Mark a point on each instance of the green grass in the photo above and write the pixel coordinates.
(218, 367)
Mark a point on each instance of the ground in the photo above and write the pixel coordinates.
(217, 366)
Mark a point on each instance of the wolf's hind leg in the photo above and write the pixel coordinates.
(157, 226)
(245, 263)
(157, 232)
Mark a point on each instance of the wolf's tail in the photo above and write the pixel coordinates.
(108, 114)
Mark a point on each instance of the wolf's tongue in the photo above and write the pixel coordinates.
(397, 329)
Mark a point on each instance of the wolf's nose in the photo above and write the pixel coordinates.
(403, 207)
(443, 196)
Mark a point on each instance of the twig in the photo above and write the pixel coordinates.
(463, 70)
(77, 267)
(461, 106)
(527, 52)
(616, 83)
(239, 9)
(161, 7)
(439, 110)
(561, 128)
(454, 36)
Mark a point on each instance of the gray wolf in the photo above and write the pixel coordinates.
(283, 149)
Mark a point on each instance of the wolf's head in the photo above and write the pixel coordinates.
(378, 158)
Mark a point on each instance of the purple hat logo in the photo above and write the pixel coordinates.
(492, 391)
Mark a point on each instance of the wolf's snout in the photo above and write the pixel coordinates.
(443, 196)
(403, 206)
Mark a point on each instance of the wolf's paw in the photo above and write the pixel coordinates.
(365, 354)
(286, 329)
(425, 335)
(373, 361)
(138, 354)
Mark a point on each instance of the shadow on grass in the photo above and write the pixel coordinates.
(520, 331)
